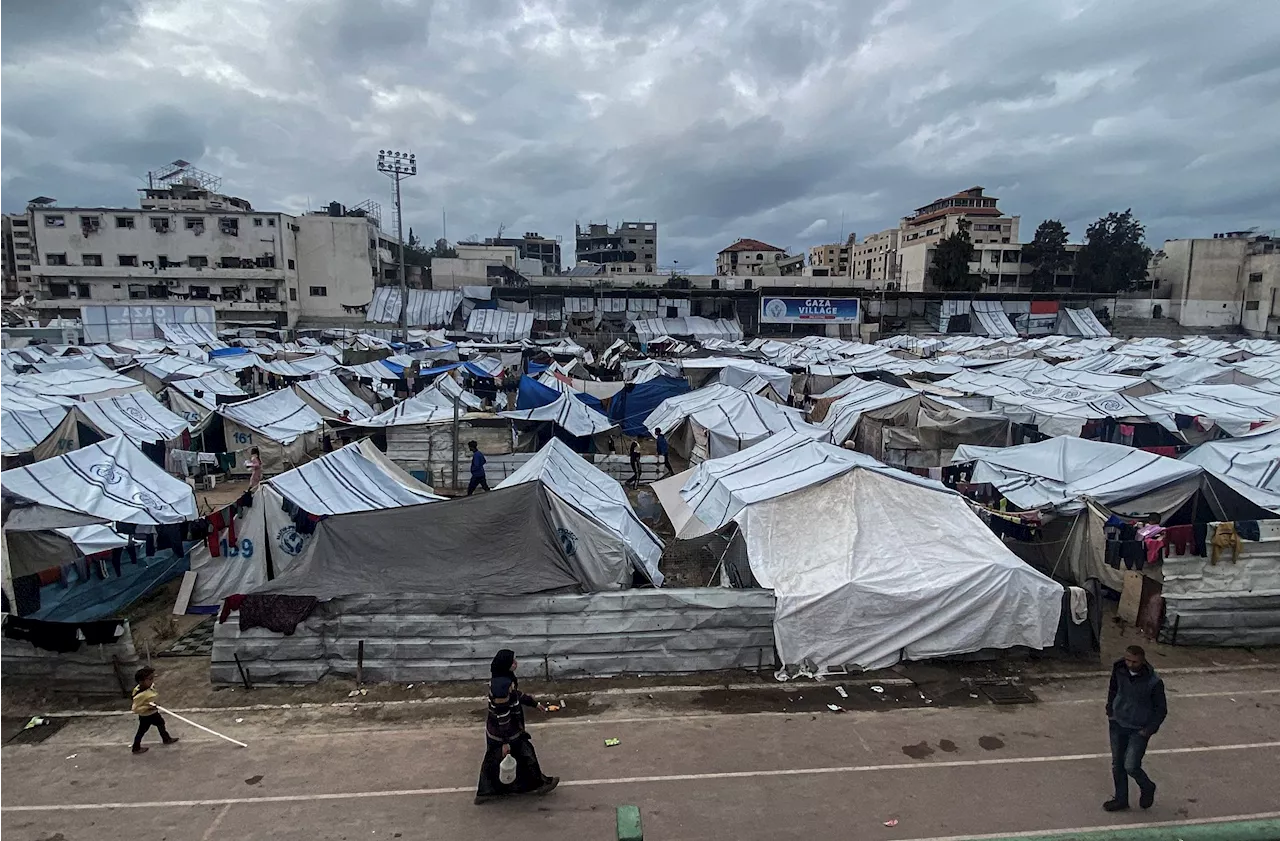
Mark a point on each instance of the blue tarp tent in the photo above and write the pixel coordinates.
(227, 351)
(535, 368)
(634, 403)
(532, 394)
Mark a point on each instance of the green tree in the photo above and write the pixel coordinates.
(1047, 254)
(414, 253)
(1114, 257)
(949, 270)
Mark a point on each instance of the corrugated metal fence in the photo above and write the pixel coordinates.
(94, 669)
(424, 638)
(1235, 601)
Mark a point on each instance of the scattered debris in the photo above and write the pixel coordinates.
(239, 720)
(254, 780)
(410, 686)
(973, 694)
(879, 690)
(553, 708)
(612, 743)
(73, 756)
(834, 708)
(35, 721)
(840, 690)
(891, 822)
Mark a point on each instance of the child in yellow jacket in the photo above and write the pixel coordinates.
(144, 705)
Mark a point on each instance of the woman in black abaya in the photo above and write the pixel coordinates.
(505, 734)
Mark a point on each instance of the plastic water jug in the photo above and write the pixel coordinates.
(507, 770)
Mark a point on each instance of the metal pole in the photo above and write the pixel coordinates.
(455, 440)
(404, 278)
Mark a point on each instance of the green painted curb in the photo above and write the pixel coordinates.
(1265, 830)
(629, 828)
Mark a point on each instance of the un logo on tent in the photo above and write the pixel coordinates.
(107, 472)
(289, 541)
(568, 541)
(147, 500)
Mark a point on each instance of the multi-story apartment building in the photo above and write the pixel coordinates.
(532, 246)
(18, 254)
(920, 232)
(1229, 279)
(185, 242)
(834, 256)
(753, 257)
(630, 248)
(874, 261)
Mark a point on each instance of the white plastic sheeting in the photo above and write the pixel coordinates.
(716, 490)
(500, 325)
(279, 415)
(330, 397)
(723, 420)
(990, 319)
(1080, 322)
(111, 480)
(167, 369)
(739, 372)
(372, 371)
(189, 334)
(26, 421)
(204, 391)
(567, 412)
(139, 417)
(427, 406)
(354, 478)
(697, 327)
(305, 367)
(869, 569)
(1060, 473)
(859, 396)
(427, 307)
(599, 496)
(1250, 465)
(1234, 408)
(87, 384)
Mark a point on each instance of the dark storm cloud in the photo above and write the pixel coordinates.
(772, 120)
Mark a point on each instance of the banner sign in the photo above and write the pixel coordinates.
(808, 310)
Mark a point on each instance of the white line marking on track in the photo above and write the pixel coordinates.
(1119, 827)
(217, 822)
(657, 778)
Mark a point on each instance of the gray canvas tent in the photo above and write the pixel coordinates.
(504, 543)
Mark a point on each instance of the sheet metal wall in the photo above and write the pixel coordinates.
(423, 638)
(1233, 602)
(91, 670)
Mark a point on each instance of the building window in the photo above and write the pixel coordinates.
(82, 290)
(257, 221)
(199, 292)
(1250, 305)
(54, 221)
(389, 274)
(318, 291)
(229, 225)
(271, 223)
(266, 261)
(266, 295)
(24, 267)
(293, 294)
(55, 259)
(229, 263)
(160, 224)
(198, 261)
(90, 224)
(631, 242)
(127, 259)
(648, 242)
(59, 290)
(632, 270)
(92, 259)
(1255, 277)
(194, 223)
(137, 291)
(746, 283)
(231, 293)
(124, 222)
(291, 265)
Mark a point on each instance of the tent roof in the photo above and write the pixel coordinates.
(354, 478)
(373, 371)
(427, 406)
(567, 412)
(211, 385)
(86, 383)
(594, 493)
(111, 480)
(331, 393)
(1235, 408)
(783, 463)
(280, 415)
(189, 334)
(730, 413)
(304, 367)
(167, 368)
(22, 428)
(1251, 465)
(502, 543)
(1059, 472)
(139, 416)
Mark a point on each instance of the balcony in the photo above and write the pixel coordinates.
(212, 274)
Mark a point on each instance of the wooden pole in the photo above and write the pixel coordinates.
(360, 663)
(201, 727)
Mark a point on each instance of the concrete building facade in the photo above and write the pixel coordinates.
(919, 234)
(834, 256)
(874, 261)
(630, 248)
(19, 254)
(753, 257)
(189, 244)
(1226, 280)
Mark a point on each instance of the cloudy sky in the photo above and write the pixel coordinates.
(718, 119)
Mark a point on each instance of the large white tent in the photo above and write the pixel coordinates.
(139, 417)
(599, 496)
(568, 413)
(330, 397)
(1250, 465)
(85, 384)
(719, 419)
(279, 424)
(196, 399)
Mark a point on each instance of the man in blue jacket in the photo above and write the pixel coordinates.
(1136, 708)
(478, 479)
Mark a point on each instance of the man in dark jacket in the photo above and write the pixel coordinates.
(478, 478)
(1136, 708)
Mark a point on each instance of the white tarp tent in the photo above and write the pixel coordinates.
(598, 496)
(426, 407)
(990, 319)
(356, 477)
(279, 424)
(196, 399)
(1081, 322)
(1059, 473)
(110, 480)
(869, 569)
(567, 412)
(1249, 465)
(1234, 408)
(427, 307)
(719, 419)
(330, 397)
(139, 417)
(86, 384)
(737, 373)
(25, 421)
